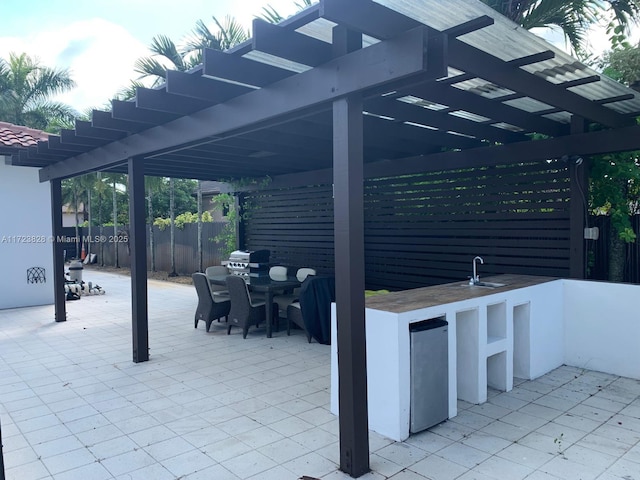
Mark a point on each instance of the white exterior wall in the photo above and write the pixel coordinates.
(25, 231)
(602, 327)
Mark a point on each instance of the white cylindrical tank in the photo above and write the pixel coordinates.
(75, 271)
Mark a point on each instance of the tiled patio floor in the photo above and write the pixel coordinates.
(212, 406)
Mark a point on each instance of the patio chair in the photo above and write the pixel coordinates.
(216, 271)
(245, 311)
(286, 299)
(209, 307)
(312, 313)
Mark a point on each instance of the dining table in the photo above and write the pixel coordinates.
(263, 284)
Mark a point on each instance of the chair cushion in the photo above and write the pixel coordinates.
(304, 273)
(278, 273)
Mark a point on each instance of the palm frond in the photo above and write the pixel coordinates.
(150, 67)
(231, 32)
(269, 14)
(165, 47)
(301, 5)
(128, 92)
(202, 38)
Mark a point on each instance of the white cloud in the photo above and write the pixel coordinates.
(99, 54)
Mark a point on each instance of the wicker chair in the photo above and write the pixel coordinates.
(216, 271)
(209, 308)
(244, 312)
(286, 299)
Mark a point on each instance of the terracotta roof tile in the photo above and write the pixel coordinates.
(18, 136)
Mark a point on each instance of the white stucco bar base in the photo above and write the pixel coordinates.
(524, 332)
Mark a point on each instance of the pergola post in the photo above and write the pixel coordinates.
(579, 185)
(348, 207)
(138, 246)
(60, 307)
(349, 271)
(1, 456)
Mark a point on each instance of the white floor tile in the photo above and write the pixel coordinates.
(198, 410)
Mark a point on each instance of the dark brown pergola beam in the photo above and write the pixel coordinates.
(382, 63)
(161, 101)
(618, 98)
(497, 111)
(70, 137)
(280, 144)
(317, 130)
(105, 121)
(203, 88)
(239, 69)
(421, 136)
(470, 26)
(284, 43)
(55, 147)
(381, 137)
(382, 22)
(56, 144)
(367, 17)
(580, 81)
(22, 158)
(531, 59)
(236, 150)
(235, 163)
(591, 143)
(414, 113)
(31, 153)
(212, 169)
(85, 129)
(128, 111)
(490, 68)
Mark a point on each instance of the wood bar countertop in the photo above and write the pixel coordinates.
(414, 299)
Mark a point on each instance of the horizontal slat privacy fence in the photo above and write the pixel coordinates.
(425, 229)
(295, 224)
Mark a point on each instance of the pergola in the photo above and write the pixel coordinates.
(347, 91)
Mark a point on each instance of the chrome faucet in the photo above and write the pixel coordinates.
(476, 278)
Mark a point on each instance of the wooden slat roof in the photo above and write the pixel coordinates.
(437, 77)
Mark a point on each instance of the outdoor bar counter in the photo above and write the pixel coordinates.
(494, 334)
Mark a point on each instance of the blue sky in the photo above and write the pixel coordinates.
(99, 40)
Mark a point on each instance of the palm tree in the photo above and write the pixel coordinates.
(115, 179)
(172, 218)
(88, 182)
(229, 33)
(100, 188)
(153, 185)
(165, 56)
(71, 193)
(26, 88)
(573, 17)
(199, 198)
